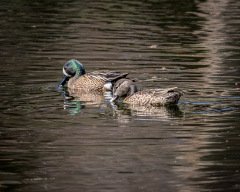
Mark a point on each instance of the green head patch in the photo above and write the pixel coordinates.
(73, 68)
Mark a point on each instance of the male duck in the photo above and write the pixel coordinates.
(126, 90)
(78, 79)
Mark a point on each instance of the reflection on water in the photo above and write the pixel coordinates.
(80, 142)
(77, 105)
(123, 113)
(75, 102)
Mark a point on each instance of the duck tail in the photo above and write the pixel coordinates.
(175, 90)
(172, 96)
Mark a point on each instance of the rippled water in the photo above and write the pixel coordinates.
(50, 143)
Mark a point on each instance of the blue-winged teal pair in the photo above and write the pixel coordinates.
(123, 89)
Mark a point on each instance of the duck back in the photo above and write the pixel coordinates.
(155, 97)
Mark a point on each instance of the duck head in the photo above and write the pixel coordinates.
(123, 88)
(72, 68)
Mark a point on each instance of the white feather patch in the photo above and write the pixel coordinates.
(108, 86)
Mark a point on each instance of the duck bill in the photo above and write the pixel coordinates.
(64, 80)
(114, 99)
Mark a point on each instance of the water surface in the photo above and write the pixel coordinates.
(50, 143)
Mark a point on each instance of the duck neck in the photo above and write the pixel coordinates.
(133, 89)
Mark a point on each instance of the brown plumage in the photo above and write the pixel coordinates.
(77, 78)
(126, 90)
(95, 81)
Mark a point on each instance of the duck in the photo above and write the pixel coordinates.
(126, 91)
(74, 74)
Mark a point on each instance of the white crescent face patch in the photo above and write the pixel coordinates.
(65, 73)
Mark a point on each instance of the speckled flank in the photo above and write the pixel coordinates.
(93, 81)
(87, 82)
(155, 97)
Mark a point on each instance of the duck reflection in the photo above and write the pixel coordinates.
(92, 97)
(77, 100)
(124, 112)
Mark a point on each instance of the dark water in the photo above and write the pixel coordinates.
(48, 143)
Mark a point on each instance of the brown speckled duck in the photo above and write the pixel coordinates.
(125, 90)
(78, 79)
